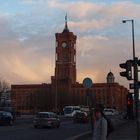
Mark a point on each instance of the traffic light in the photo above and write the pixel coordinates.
(130, 106)
(128, 73)
(129, 99)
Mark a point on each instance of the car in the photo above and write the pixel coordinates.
(80, 117)
(46, 119)
(109, 111)
(70, 111)
(6, 118)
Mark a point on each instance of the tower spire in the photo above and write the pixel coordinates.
(66, 26)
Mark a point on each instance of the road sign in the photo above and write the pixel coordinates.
(87, 83)
(132, 86)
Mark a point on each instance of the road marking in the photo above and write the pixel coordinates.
(76, 136)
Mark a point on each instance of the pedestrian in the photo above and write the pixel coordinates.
(100, 125)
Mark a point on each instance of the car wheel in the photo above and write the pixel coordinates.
(11, 122)
(53, 125)
(35, 126)
(58, 125)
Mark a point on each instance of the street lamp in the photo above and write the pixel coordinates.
(135, 71)
(133, 41)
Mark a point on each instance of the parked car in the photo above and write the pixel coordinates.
(80, 117)
(46, 119)
(70, 111)
(109, 111)
(6, 118)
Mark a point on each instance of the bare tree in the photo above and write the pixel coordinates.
(4, 89)
(4, 86)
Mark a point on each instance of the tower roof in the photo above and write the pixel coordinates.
(110, 77)
(66, 30)
(110, 74)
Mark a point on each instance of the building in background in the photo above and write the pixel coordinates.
(64, 88)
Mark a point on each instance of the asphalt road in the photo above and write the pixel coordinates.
(24, 130)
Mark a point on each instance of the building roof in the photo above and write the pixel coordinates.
(28, 86)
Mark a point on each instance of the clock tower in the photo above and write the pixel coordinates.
(65, 56)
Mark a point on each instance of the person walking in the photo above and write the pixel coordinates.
(100, 125)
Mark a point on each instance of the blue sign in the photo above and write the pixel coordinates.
(87, 83)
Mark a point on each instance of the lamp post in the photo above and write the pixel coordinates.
(135, 73)
(133, 40)
(87, 83)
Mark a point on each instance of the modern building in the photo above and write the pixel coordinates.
(64, 88)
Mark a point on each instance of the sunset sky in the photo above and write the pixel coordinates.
(27, 37)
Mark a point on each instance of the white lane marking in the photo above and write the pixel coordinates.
(76, 136)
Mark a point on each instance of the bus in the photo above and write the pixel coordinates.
(70, 111)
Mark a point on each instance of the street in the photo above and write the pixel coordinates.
(24, 130)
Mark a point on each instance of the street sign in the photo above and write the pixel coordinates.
(132, 86)
(87, 83)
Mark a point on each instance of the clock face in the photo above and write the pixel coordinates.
(64, 44)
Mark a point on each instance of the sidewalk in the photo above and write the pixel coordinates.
(126, 131)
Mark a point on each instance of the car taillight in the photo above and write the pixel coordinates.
(49, 120)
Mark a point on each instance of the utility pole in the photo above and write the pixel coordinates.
(136, 82)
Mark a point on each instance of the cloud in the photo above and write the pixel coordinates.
(86, 25)
(27, 1)
(26, 70)
(27, 39)
(25, 64)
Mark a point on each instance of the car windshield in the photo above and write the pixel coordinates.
(68, 110)
(109, 110)
(5, 114)
(1, 113)
(76, 108)
(42, 115)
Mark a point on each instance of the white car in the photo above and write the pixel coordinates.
(70, 111)
(109, 111)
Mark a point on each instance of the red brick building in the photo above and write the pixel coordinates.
(64, 89)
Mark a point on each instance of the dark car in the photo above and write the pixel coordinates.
(80, 117)
(6, 118)
(46, 119)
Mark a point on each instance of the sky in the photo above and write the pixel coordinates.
(27, 37)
